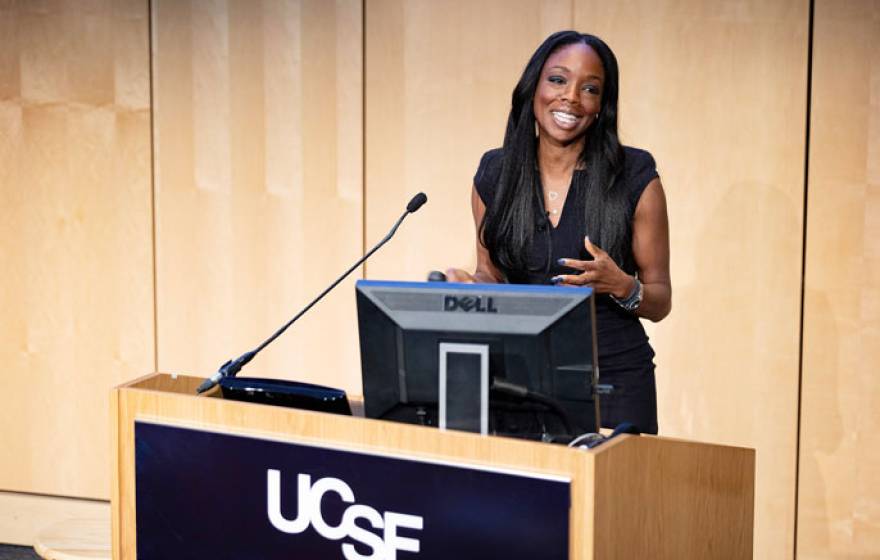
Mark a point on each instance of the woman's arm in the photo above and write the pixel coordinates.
(486, 271)
(651, 251)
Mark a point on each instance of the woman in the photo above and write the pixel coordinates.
(563, 202)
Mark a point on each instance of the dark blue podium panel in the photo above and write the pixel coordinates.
(202, 494)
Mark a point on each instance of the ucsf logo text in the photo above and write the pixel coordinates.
(382, 547)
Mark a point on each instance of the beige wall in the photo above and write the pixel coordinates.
(259, 194)
(839, 489)
(438, 83)
(75, 236)
(722, 108)
(258, 181)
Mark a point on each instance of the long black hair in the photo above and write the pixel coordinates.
(510, 222)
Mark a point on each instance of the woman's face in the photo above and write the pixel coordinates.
(569, 94)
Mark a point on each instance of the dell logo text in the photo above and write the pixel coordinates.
(476, 304)
(383, 547)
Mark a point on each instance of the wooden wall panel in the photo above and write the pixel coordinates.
(258, 184)
(75, 235)
(839, 490)
(438, 81)
(717, 92)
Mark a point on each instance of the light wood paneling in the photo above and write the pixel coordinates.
(717, 92)
(658, 495)
(438, 81)
(75, 235)
(258, 183)
(839, 490)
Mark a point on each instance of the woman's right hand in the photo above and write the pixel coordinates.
(459, 275)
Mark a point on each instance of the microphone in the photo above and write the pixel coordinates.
(416, 202)
(232, 367)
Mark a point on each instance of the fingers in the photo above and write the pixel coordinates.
(593, 271)
(584, 279)
(586, 266)
(458, 275)
(592, 249)
(573, 263)
(602, 273)
(577, 264)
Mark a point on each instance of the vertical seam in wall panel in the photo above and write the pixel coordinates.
(363, 135)
(797, 469)
(153, 191)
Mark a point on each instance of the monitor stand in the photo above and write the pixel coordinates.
(464, 387)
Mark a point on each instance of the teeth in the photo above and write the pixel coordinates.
(565, 117)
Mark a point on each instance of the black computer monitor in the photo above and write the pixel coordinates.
(504, 359)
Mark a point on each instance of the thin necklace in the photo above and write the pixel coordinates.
(551, 198)
(553, 207)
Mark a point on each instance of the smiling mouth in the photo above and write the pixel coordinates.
(565, 120)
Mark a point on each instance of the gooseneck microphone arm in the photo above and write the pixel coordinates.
(232, 367)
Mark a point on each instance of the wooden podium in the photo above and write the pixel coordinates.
(631, 497)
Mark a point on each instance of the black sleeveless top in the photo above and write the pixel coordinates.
(625, 356)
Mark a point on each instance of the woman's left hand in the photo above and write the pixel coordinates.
(602, 273)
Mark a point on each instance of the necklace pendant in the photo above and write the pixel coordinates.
(552, 195)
